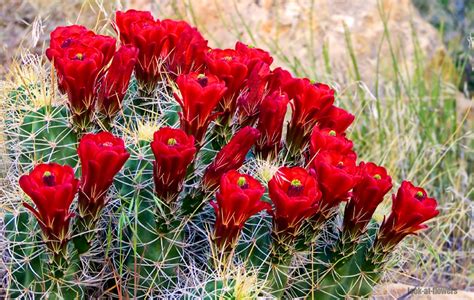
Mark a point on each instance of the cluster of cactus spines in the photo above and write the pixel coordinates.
(185, 186)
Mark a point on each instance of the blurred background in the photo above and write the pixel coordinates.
(403, 67)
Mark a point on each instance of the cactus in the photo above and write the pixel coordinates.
(32, 271)
(173, 204)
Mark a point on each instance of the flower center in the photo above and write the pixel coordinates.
(242, 182)
(295, 183)
(202, 80)
(332, 133)
(227, 58)
(48, 178)
(107, 144)
(79, 56)
(295, 188)
(419, 195)
(171, 142)
(340, 165)
(66, 43)
(377, 176)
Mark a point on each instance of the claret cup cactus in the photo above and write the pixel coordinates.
(162, 168)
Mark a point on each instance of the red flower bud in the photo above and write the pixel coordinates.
(336, 173)
(52, 188)
(231, 68)
(116, 81)
(308, 105)
(336, 119)
(237, 200)
(200, 94)
(174, 151)
(366, 196)
(270, 124)
(328, 139)
(102, 155)
(296, 197)
(410, 209)
(231, 156)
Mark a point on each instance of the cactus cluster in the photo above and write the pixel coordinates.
(165, 168)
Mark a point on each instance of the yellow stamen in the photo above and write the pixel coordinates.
(295, 183)
(241, 181)
(171, 142)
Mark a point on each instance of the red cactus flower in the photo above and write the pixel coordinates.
(166, 45)
(52, 188)
(250, 99)
(129, 23)
(103, 43)
(253, 55)
(200, 94)
(231, 68)
(151, 41)
(296, 197)
(336, 173)
(328, 139)
(79, 68)
(282, 80)
(308, 105)
(187, 48)
(366, 196)
(150, 38)
(258, 64)
(336, 119)
(116, 81)
(270, 124)
(64, 36)
(237, 200)
(410, 209)
(231, 156)
(174, 151)
(102, 155)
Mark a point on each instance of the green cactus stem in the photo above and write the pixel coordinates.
(27, 257)
(155, 250)
(312, 228)
(255, 243)
(34, 270)
(340, 268)
(282, 251)
(220, 135)
(45, 135)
